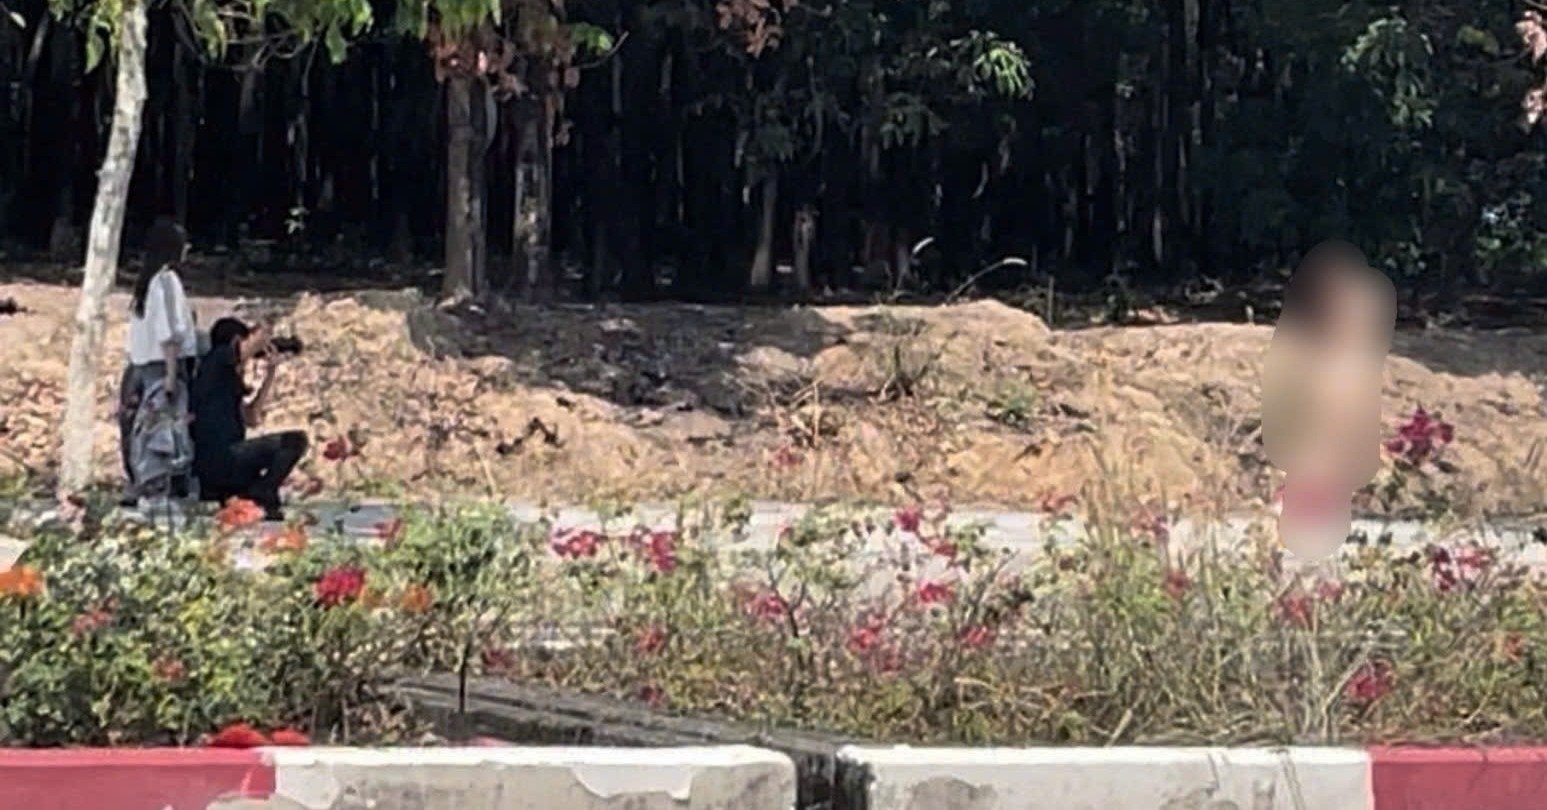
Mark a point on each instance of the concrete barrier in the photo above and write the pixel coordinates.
(1138, 778)
(482, 778)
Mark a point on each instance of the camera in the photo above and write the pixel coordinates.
(283, 344)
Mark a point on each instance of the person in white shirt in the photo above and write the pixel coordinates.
(163, 338)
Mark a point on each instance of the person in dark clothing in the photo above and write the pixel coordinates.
(226, 462)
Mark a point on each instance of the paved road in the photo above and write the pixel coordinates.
(1023, 532)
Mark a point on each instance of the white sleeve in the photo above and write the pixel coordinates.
(165, 307)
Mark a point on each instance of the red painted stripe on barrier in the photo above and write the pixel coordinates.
(130, 779)
(1459, 778)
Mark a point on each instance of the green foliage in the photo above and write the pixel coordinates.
(220, 23)
(140, 636)
(909, 631)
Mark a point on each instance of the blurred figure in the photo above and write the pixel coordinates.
(1321, 393)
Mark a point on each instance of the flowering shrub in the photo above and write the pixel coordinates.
(894, 629)
(132, 635)
(1414, 482)
(907, 630)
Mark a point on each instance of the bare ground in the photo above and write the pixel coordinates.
(977, 403)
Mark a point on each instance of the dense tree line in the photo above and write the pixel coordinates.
(694, 148)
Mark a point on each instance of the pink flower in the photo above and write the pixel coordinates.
(1371, 682)
(977, 636)
(650, 640)
(576, 545)
(866, 636)
(769, 606)
(1329, 590)
(1420, 438)
(661, 551)
(934, 592)
(1294, 608)
(908, 519)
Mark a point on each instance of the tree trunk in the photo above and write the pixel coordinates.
(463, 275)
(761, 276)
(534, 198)
(107, 219)
(803, 237)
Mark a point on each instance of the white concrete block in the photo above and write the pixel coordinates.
(1126, 778)
(707, 778)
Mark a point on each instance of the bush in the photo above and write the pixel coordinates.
(1112, 638)
(133, 635)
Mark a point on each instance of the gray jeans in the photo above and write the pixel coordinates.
(130, 388)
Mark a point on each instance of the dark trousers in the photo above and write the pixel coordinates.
(131, 388)
(253, 469)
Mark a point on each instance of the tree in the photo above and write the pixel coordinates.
(487, 51)
(119, 27)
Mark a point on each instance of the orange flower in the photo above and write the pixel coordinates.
(21, 581)
(238, 513)
(416, 598)
(292, 538)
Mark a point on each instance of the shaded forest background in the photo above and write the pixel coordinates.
(694, 149)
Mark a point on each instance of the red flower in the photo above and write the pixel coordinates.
(652, 694)
(575, 545)
(650, 640)
(934, 592)
(337, 449)
(1371, 682)
(289, 736)
(1177, 583)
(977, 636)
(169, 669)
(661, 551)
(940, 547)
(238, 735)
(1294, 608)
(769, 606)
(908, 519)
(1421, 437)
(339, 586)
(866, 636)
(238, 513)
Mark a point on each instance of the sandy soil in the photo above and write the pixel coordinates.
(977, 403)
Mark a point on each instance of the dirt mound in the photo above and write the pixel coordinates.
(976, 402)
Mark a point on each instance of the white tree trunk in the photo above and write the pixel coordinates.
(107, 222)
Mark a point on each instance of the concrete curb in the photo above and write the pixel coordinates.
(481, 778)
(904, 778)
(735, 777)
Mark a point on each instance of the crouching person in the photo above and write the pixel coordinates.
(226, 462)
